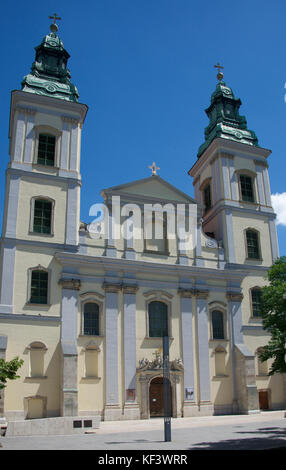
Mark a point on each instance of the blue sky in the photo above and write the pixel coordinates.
(145, 69)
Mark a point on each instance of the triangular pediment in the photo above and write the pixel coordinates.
(149, 189)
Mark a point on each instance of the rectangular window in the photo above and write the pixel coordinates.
(246, 188)
(158, 319)
(256, 302)
(42, 216)
(39, 287)
(252, 244)
(46, 150)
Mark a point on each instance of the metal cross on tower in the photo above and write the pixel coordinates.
(55, 17)
(54, 26)
(220, 74)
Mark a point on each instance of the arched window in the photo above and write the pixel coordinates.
(91, 319)
(46, 150)
(39, 286)
(252, 244)
(158, 319)
(207, 197)
(217, 324)
(256, 301)
(42, 215)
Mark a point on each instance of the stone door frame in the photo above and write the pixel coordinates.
(146, 378)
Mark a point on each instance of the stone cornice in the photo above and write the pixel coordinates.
(69, 119)
(73, 284)
(27, 317)
(25, 110)
(234, 296)
(186, 293)
(201, 294)
(224, 145)
(129, 289)
(111, 287)
(138, 266)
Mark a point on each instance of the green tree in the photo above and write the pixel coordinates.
(273, 310)
(8, 370)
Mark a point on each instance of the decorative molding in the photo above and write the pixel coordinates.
(25, 317)
(24, 110)
(211, 242)
(186, 293)
(92, 294)
(217, 302)
(111, 287)
(158, 294)
(73, 284)
(130, 289)
(226, 155)
(69, 119)
(261, 163)
(201, 294)
(234, 296)
(92, 346)
(157, 364)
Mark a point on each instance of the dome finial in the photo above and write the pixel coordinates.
(220, 74)
(54, 27)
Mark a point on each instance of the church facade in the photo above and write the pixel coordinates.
(87, 311)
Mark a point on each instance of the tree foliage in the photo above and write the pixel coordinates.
(8, 370)
(273, 310)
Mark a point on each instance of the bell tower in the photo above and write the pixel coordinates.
(231, 182)
(43, 180)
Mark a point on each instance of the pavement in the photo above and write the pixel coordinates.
(262, 431)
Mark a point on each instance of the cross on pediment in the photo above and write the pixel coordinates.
(154, 169)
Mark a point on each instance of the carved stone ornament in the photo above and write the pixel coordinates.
(185, 292)
(129, 289)
(157, 363)
(73, 284)
(211, 243)
(111, 288)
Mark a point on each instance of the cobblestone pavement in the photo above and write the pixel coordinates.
(266, 430)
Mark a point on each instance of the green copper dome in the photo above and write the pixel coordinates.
(225, 121)
(49, 75)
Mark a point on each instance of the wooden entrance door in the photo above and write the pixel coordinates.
(156, 397)
(263, 399)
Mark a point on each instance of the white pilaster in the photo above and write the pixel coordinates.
(112, 410)
(131, 408)
(187, 314)
(203, 353)
(69, 333)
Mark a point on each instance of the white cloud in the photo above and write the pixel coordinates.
(279, 206)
